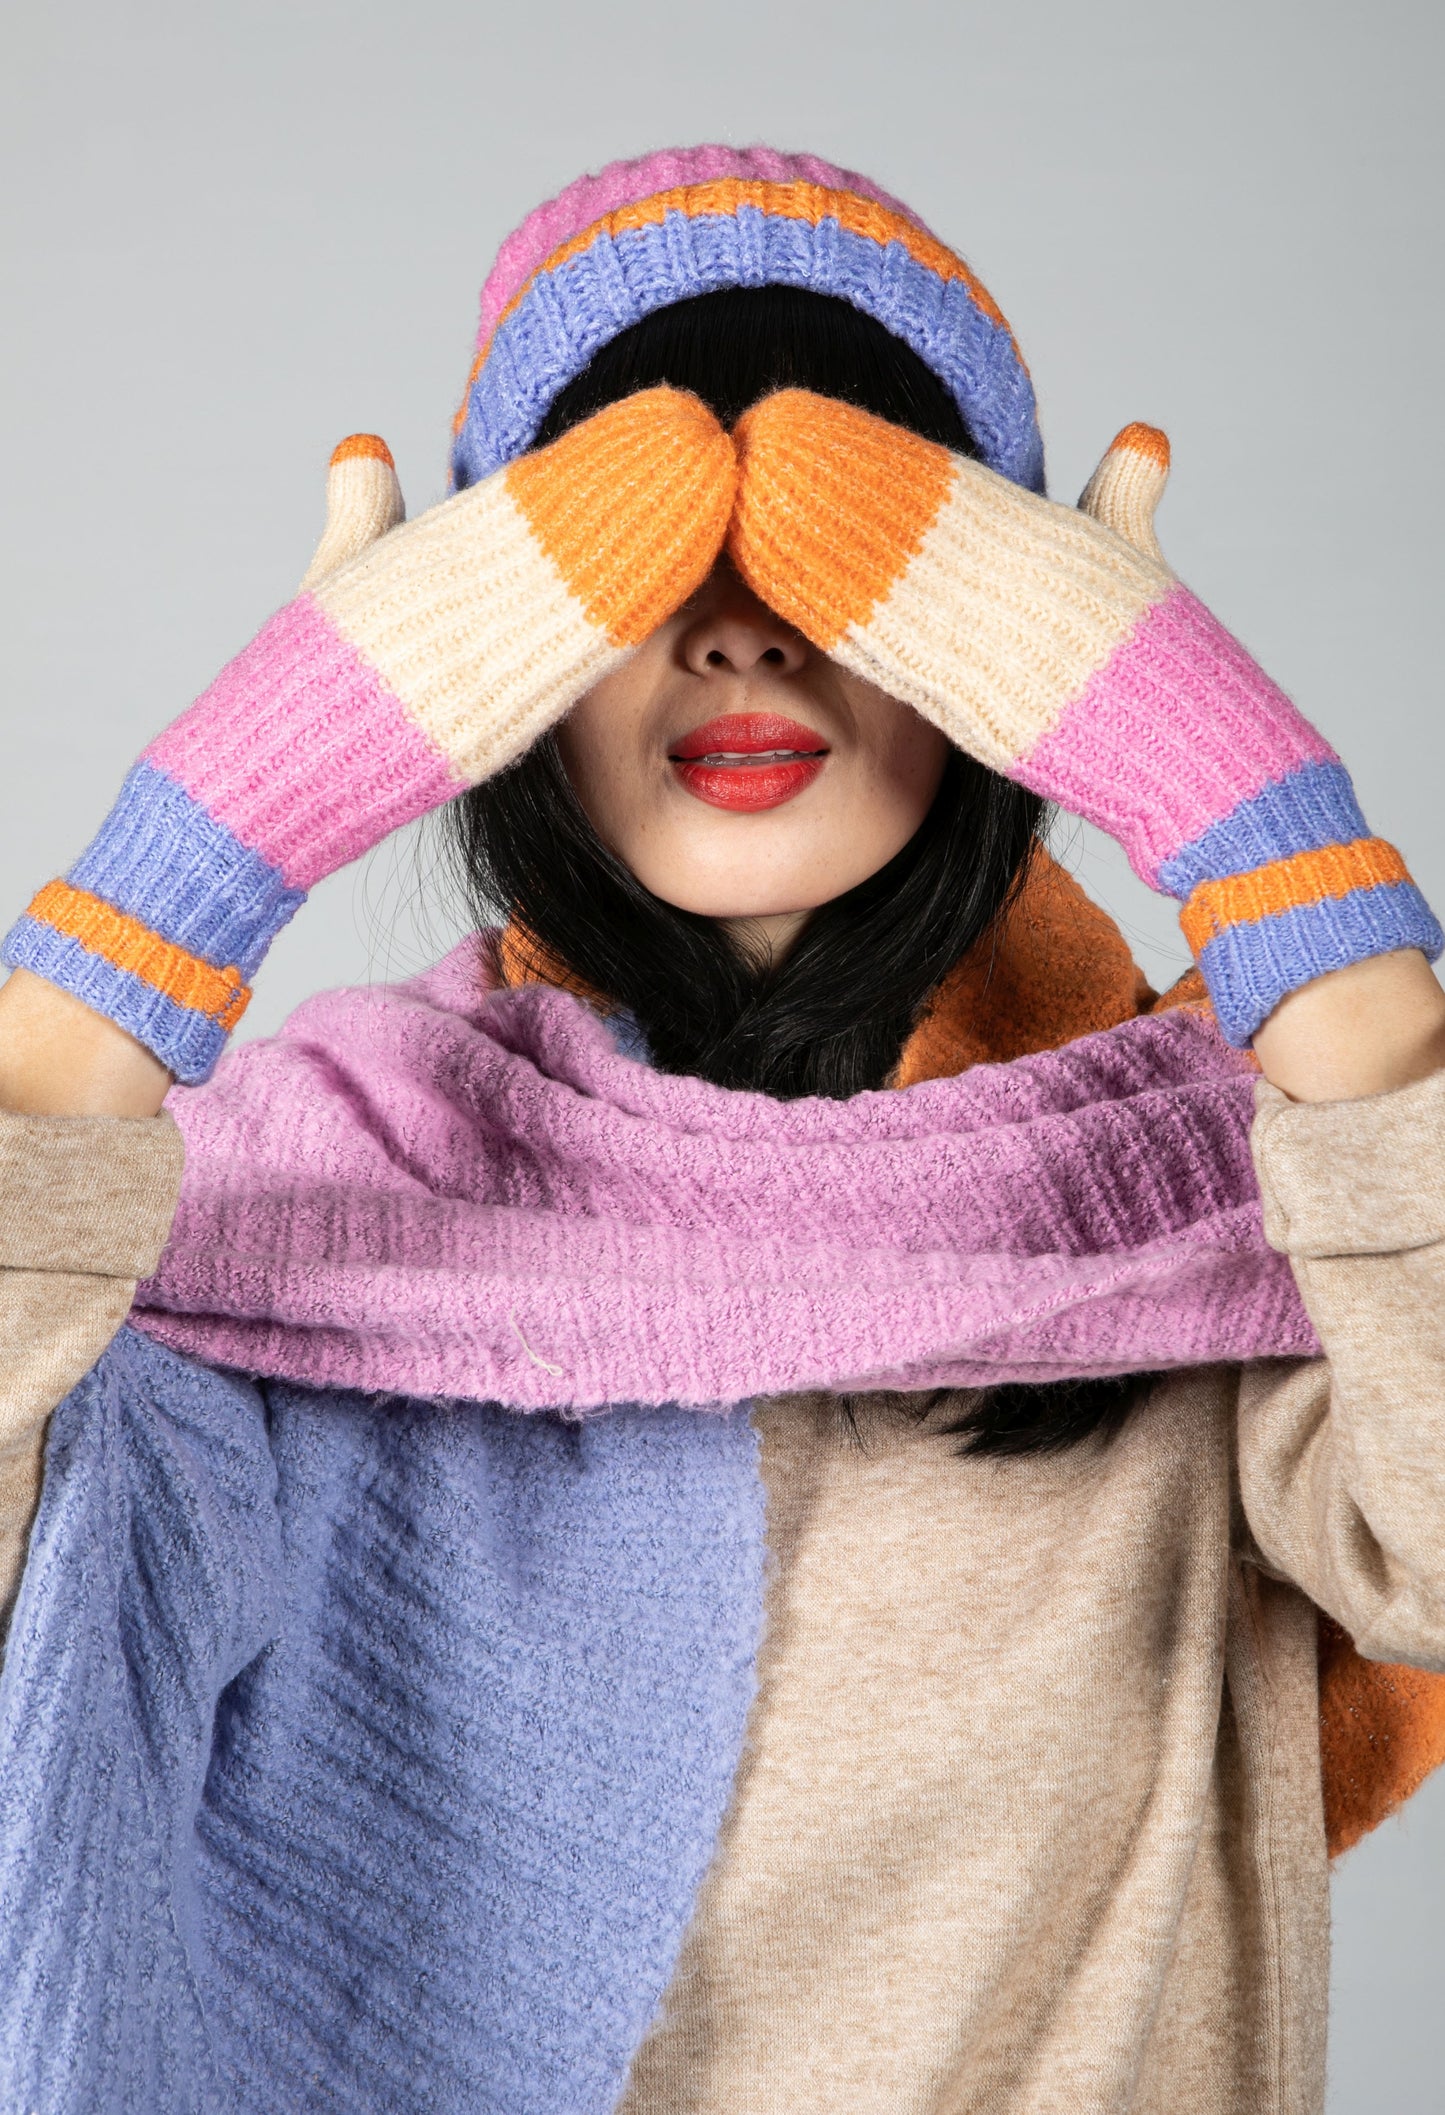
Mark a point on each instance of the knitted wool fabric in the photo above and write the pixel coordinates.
(459, 1301)
(358, 1754)
(433, 1189)
(1060, 968)
(643, 234)
(427, 662)
(1072, 660)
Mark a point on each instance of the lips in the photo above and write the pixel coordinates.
(748, 760)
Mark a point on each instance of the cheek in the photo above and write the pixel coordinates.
(862, 812)
(899, 765)
(612, 771)
(863, 809)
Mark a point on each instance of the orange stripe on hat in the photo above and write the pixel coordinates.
(795, 201)
(833, 504)
(784, 201)
(125, 943)
(1289, 885)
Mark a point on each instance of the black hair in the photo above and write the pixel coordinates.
(739, 344)
(832, 1016)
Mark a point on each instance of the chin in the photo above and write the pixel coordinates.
(707, 896)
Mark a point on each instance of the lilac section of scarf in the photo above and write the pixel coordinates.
(446, 1191)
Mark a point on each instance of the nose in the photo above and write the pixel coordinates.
(730, 632)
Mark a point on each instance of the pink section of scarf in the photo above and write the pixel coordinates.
(445, 1191)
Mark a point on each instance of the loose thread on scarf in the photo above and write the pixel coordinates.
(535, 1357)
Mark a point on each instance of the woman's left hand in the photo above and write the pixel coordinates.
(1055, 644)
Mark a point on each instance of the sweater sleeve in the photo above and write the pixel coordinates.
(1342, 1459)
(85, 1206)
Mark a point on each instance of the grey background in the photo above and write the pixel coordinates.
(237, 232)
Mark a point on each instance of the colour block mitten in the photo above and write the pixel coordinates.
(415, 668)
(1070, 658)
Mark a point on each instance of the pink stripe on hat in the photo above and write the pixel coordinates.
(624, 183)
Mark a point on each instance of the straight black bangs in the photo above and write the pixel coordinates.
(739, 344)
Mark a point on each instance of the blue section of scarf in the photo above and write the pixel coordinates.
(361, 1754)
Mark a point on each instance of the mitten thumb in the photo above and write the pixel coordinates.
(363, 501)
(1128, 485)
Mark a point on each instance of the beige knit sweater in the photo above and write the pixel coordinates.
(1029, 1815)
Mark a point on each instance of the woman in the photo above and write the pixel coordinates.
(888, 1676)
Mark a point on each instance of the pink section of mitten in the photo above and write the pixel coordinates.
(302, 752)
(1177, 727)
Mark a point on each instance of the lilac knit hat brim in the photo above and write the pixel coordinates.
(643, 234)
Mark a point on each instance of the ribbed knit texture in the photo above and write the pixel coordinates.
(643, 234)
(361, 1752)
(589, 199)
(431, 659)
(1072, 660)
(424, 1190)
(356, 1755)
(1121, 1151)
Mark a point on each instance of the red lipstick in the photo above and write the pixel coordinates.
(748, 760)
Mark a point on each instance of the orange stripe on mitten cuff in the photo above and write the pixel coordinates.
(631, 507)
(832, 506)
(222, 995)
(1287, 885)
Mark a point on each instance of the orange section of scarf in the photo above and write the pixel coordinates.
(1056, 968)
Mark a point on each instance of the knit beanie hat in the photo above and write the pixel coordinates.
(643, 234)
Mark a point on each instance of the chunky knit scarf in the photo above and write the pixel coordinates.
(459, 1188)
(447, 1190)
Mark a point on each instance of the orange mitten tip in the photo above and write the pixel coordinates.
(361, 444)
(1149, 441)
(649, 420)
(833, 503)
(801, 417)
(1128, 485)
(632, 507)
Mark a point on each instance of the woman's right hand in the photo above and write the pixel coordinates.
(419, 666)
